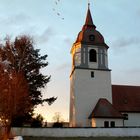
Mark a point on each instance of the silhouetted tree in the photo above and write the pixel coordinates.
(37, 121)
(20, 55)
(57, 124)
(58, 120)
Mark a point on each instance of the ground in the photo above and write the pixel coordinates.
(92, 138)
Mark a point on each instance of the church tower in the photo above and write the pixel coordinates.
(90, 78)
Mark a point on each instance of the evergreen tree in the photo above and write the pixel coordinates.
(20, 55)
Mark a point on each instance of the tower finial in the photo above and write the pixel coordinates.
(88, 4)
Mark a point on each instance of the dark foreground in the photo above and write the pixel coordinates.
(92, 138)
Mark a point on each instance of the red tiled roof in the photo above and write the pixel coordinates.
(104, 109)
(126, 98)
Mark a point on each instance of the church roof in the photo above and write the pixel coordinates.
(89, 34)
(126, 98)
(104, 109)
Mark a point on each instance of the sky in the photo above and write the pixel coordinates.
(54, 26)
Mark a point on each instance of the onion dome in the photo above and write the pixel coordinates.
(89, 34)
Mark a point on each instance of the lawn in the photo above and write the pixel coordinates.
(91, 138)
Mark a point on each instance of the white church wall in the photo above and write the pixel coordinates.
(88, 91)
(72, 101)
(99, 122)
(133, 120)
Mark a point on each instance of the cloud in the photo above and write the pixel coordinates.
(45, 36)
(15, 20)
(125, 42)
(15, 25)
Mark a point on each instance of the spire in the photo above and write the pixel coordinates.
(89, 18)
(89, 21)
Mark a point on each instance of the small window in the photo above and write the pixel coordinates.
(92, 56)
(106, 124)
(112, 124)
(125, 116)
(91, 37)
(92, 74)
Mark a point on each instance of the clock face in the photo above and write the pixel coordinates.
(91, 37)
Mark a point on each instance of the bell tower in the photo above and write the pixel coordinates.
(89, 50)
(90, 77)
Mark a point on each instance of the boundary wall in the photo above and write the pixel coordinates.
(77, 132)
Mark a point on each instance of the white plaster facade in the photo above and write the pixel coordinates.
(133, 120)
(85, 93)
(99, 122)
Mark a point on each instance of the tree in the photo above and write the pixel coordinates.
(13, 98)
(21, 56)
(37, 121)
(58, 120)
(57, 117)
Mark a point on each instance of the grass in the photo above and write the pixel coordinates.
(79, 138)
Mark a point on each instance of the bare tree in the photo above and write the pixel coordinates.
(58, 117)
(14, 98)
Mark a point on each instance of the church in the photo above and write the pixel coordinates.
(94, 101)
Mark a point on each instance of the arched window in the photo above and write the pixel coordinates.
(92, 56)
